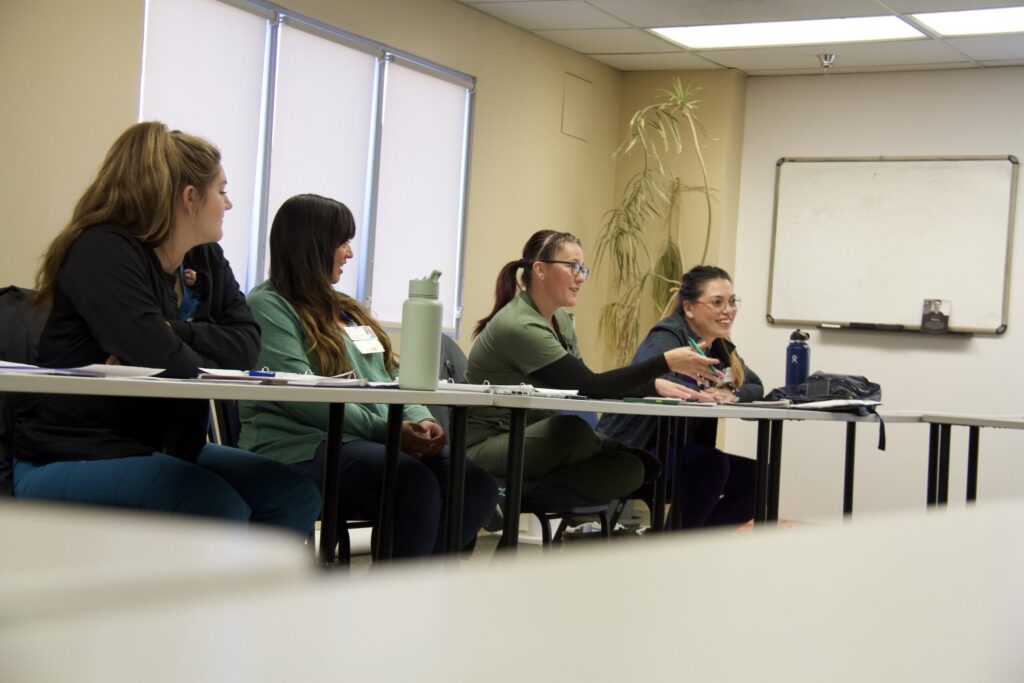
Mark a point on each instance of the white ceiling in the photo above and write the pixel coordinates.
(613, 32)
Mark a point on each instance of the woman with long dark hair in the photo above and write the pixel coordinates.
(717, 488)
(529, 338)
(137, 278)
(308, 326)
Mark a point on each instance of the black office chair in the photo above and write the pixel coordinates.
(225, 427)
(21, 325)
(550, 503)
(546, 503)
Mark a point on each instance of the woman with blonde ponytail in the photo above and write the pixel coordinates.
(718, 488)
(307, 326)
(136, 278)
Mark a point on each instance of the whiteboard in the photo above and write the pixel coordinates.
(862, 242)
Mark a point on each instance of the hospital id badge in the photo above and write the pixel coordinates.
(364, 339)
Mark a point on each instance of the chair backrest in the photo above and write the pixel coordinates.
(453, 367)
(21, 325)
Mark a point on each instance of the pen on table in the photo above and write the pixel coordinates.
(261, 373)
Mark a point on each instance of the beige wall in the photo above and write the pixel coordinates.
(525, 173)
(69, 82)
(720, 108)
(885, 114)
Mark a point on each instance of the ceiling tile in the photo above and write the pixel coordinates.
(920, 6)
(610, 31)
(877, 69)
(608, 40)
(656, 13)
(656, 61)
(900, 52)
(990, 48)
(534, 14)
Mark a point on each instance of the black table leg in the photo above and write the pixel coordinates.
(456, 480)
(851, 448)
(389, 486)
(761, 480)
(972, 463)
(774, 470)
(514, 478)
(943, 488)
(332, 486)
(933, 464)
(661, 485)
(682, 438)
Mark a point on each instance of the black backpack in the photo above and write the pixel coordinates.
(824, 386)
(21, 325)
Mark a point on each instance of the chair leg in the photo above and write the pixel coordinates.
(562, 526)
(617, 510)
(344, 545)
(545, 530)
(606, 527)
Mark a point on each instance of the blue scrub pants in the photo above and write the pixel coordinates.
(227, 483)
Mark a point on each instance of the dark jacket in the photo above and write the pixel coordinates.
(639, 431)
(113, 298)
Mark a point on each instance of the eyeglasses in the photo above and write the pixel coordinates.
(575, 267)
(720, 304)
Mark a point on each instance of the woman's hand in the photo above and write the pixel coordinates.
(722, 395)
(670, 389)
(686, 361)
(422, 438)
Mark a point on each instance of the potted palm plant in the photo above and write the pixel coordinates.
(650, 202)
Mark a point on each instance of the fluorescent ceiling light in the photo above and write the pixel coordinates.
(810, 32)
(975, 22)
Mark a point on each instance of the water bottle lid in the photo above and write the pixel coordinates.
(799, 336)
(426, 286)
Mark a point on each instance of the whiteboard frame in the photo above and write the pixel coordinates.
(847, 324)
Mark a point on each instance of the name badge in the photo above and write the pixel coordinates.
(364, 339)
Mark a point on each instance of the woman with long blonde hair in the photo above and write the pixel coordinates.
(136, 278)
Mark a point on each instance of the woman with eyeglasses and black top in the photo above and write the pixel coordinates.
(529, 338)
(718, 488)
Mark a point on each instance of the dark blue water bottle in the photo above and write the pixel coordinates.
(798, 358)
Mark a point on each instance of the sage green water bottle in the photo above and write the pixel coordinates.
(421, 335)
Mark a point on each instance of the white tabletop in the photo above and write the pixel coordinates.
(56, 559)
(934, 597)
(228, 390)
(1001, 421)
(732, 410)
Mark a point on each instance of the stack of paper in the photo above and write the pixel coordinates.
(269, 377)
(94, 370)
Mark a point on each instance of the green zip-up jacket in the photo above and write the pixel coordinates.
(291, 432)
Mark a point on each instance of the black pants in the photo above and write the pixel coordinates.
(716, 488)
(419, 506)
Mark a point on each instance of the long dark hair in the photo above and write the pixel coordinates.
(691, 288)
(306, 232)
(542, 245)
